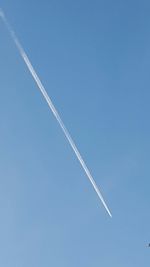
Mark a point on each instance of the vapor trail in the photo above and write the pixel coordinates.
(52, 107)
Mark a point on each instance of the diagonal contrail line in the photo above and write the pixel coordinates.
(53, 109)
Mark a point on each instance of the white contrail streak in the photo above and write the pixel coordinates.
(53, 109)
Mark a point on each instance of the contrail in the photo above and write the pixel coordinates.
(52, 107)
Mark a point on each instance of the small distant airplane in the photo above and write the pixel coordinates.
(149, 245)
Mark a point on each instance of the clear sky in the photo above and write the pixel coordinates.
(94, 60)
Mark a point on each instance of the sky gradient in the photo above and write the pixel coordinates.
(93, 57)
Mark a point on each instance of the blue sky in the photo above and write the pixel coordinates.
(94, 59)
